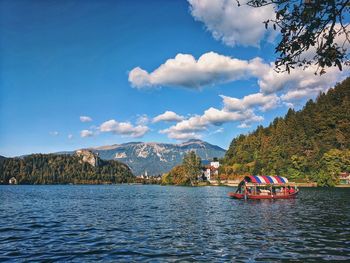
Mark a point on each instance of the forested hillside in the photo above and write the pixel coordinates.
(310, 144)
(62, 169)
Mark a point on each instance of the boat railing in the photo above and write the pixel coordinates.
(269, 189)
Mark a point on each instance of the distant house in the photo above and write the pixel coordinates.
(344, 178)
(13, 180)
(210, 170)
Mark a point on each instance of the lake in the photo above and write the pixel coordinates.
(109, 223)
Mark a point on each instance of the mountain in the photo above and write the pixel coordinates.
(302, 144)
(83, 167)
(156, 158)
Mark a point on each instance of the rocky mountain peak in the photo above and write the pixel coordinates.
(88, 157)
(156, 158)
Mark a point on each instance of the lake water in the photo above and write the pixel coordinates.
(123, 223)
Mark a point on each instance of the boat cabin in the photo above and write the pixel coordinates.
(265, 187)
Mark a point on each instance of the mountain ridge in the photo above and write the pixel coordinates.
(156, 158)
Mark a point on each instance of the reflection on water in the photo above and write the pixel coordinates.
(155, 223)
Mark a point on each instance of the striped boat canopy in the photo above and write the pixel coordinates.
(264, 179)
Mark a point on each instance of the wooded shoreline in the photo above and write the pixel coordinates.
(236, 182)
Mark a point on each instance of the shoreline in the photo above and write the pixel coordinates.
(234, 183)
(204, 185)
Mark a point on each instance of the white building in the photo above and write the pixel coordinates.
(216, 164)
(13, 180)
(207, 174)
(211, 170)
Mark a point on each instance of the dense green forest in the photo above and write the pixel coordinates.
(62, 169)
(312, 144)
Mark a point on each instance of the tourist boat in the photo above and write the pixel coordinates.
(265, 187)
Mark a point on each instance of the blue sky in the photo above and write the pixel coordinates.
(77, 74)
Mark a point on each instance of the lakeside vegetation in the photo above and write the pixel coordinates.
(62, 169)
(312, 144)
(185, 173)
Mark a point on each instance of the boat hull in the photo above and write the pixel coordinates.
(260, 197)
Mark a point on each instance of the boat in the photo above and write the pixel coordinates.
(265, 187)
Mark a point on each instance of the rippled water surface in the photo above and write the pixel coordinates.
(156, 223)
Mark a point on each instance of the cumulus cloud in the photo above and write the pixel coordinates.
(85, 119)
(265, 102)
(168, 116)
(300, 94)
(233, 24)
(124, 128)
(218, 117)
(187, 72)
(86, 133)
(181, 136)
(299, 78)
(212, 68)
(190, 127)
(244, 125)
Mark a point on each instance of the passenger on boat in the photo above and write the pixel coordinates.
(264, 192)
(249, 190)
(291, 190)
(273, 190)
(283, 190)
(240, 185)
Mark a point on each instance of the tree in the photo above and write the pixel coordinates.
(176, 176)
(312, 32)
(62, 169)
(192, 166)
(332, 164)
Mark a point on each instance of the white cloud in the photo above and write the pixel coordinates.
(70, 136)
(185, 71)
(244, 125)
(142, 120)
(218, 117)
(124, 128)
(265, 102)
(233, 24)
(86, 133)
(289, 105)
(298, 78)
(300, 83)
(193, 124)
(54, 133)
(184, 136)
(168, 116)
(300, 94)
(190, 127)
(211, 116)
(212, 68)
(220, 130)
(85, 119)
